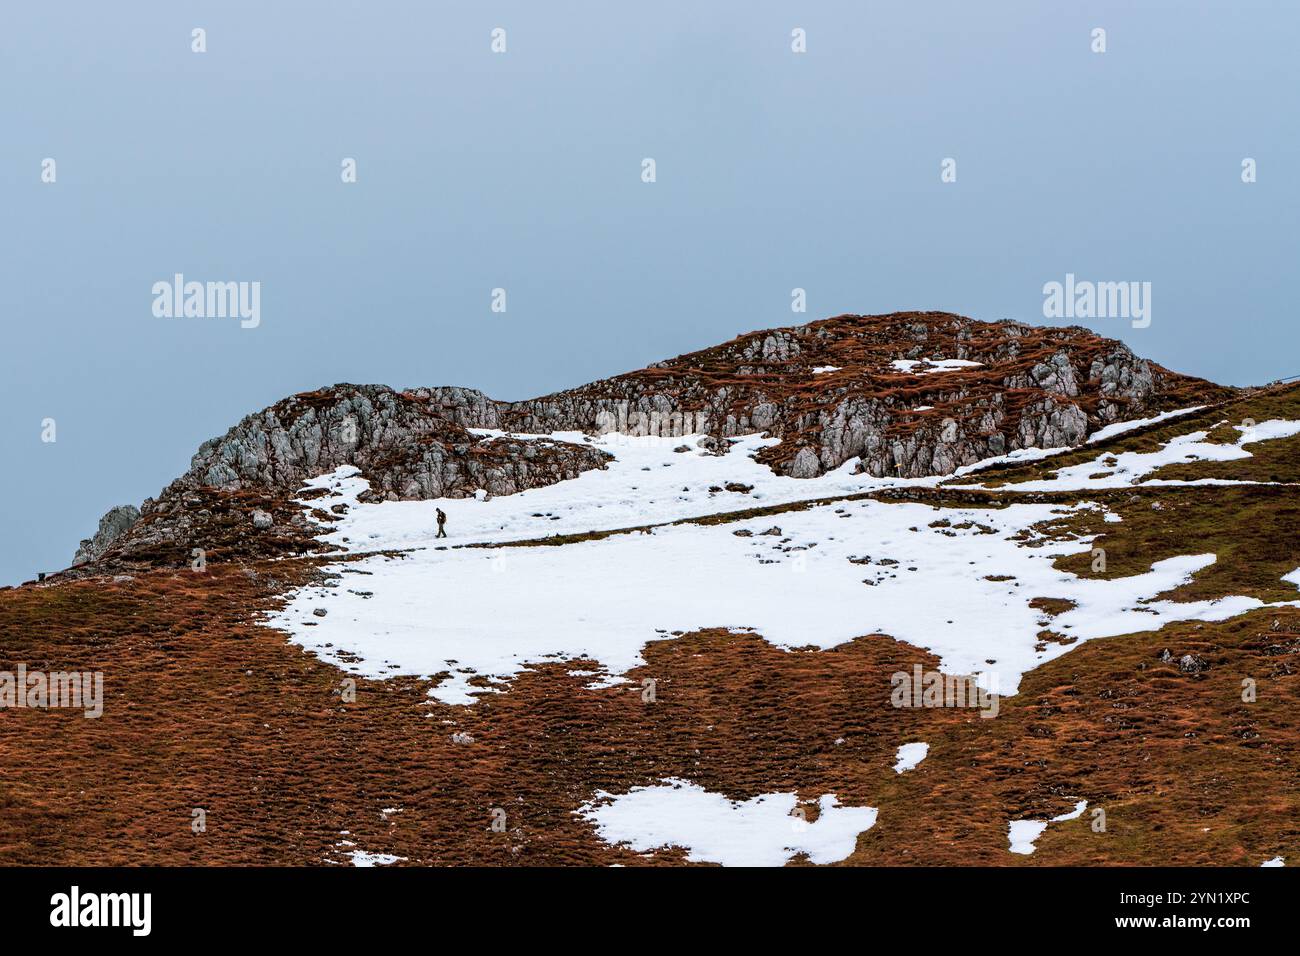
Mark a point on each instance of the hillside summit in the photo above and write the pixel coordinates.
(909, 394)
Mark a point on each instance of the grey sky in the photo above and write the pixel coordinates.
(522, 170)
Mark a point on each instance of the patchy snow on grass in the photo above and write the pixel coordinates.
(1276, 861)
(909, 755)
(1023, 834)
(823, 369)
(1018, 457)
(1120, 470)
(761, 831)
(1119, 428)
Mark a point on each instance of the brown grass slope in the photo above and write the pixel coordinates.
(208, 710)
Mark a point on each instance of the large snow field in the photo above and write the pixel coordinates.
(833, 573)
(647, 482)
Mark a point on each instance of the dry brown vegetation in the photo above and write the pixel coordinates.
(206, 709)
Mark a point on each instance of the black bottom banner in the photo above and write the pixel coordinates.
(178, 905)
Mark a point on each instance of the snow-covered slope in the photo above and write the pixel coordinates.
(480, 606)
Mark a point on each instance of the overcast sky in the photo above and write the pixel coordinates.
(522, 170)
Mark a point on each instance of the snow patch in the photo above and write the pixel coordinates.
(362, 858)
(909, 755)
(761, 831)
(1119, 428)
(1022, 834)
(931, 366)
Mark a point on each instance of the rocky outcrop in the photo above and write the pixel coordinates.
(409, 445)
(236, 497)
(112, 526)
(909, 394)
(876, 388)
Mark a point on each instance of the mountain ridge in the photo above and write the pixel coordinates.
(913, 394)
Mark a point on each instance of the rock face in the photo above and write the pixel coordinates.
(410, 445)
(111, 527)
(908, 394)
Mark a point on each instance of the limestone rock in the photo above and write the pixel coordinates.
(111, 527)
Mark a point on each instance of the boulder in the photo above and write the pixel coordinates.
(113, 525)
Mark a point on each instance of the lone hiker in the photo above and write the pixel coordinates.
(442, 523)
